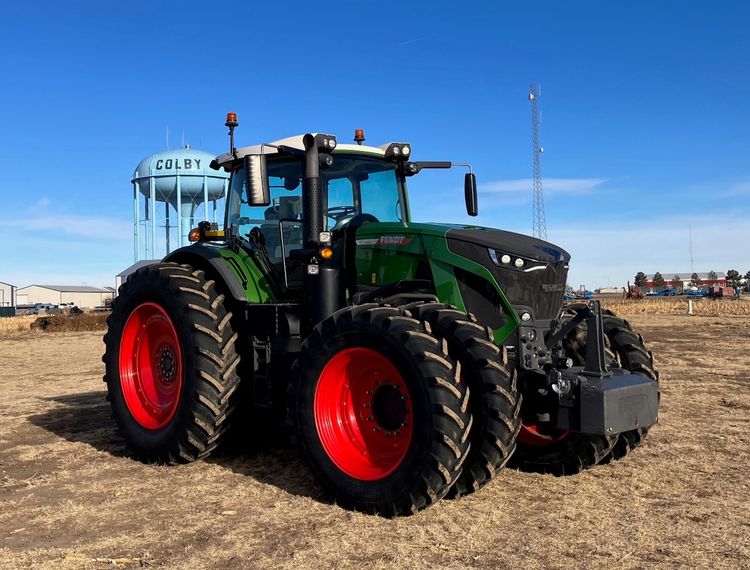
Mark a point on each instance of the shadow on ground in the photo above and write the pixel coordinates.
(86, 418)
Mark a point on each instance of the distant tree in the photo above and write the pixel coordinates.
(747, 280)
(712, 277)
(677, 283)
(695, 280)
(658, 281)
(733, 278)
(641, 280)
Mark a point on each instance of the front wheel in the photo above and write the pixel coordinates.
(171, 363)
(378, 410)
(494, 399)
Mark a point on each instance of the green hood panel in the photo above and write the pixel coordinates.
(387, 252)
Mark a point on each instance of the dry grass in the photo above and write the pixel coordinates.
(701, 307)
(71, 497)
(15, 325)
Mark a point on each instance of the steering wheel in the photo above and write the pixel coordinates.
(354, 221)
(338, 213)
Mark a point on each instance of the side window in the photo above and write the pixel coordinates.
(380, 198)
(340, 200)
(286, 204)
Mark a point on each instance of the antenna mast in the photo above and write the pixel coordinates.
(539, 219)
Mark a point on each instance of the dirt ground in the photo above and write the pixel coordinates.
(70, 497)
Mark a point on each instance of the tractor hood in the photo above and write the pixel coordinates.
(509, 242)
(502, 241)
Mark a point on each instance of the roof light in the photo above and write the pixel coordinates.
(194, 235)
(232, 120)
(397, 151)
(325, 142)
(359, 136)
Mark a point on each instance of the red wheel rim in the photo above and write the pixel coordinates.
(363, 413)
(532, 434)
(150, 366)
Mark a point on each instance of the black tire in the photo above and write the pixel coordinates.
(567, 456)
(570, 456)
(440, 423)
(209, 360)
(494, 400)
(628, 349)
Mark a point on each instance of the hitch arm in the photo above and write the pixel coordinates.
(595, 364)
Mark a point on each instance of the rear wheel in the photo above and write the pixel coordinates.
(171, 363)
(378, 411)
(494, 399)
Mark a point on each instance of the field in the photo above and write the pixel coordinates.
(70, 497)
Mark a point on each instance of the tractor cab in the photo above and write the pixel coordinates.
(357, 186)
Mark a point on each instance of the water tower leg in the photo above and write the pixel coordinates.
(153, 216)
(205, 198)
(146, 227)
(166, 223)
(179, 212)
(136, 220)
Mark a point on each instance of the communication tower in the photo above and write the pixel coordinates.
(539, 224)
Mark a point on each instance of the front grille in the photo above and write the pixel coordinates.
(540, 290)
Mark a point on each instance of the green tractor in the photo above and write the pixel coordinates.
(411, 361)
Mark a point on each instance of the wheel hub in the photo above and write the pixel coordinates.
(166, 364)
(389, 408)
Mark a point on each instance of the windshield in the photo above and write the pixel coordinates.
(353, 185)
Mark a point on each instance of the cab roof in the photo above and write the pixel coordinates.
(227, 159)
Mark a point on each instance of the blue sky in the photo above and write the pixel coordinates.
(645, 116)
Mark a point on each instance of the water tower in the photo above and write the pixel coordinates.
(173, 190)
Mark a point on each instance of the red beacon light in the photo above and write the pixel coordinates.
(359, 136)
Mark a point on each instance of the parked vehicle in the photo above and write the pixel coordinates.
(411, 360)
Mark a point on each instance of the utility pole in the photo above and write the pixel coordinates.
(539, 225)
(690, 233)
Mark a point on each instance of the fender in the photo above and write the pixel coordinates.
(206, 257)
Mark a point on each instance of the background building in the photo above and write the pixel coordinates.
(82, 296)
(7, 300)
(7, 295)
(685, 278)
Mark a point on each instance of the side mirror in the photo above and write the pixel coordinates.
(258, 192)
(470, 193)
